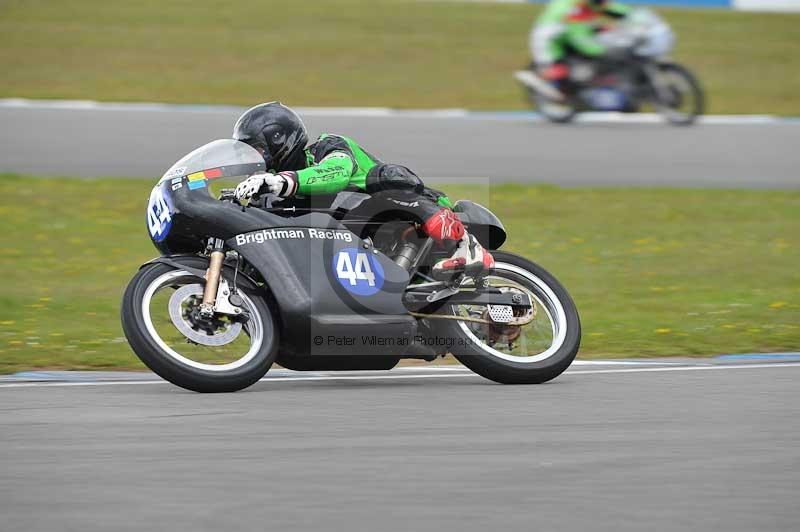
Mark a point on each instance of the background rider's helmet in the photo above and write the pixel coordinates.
(597, 4)
(277, 132)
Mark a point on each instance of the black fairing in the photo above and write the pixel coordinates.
(197, 216)
(482, 223)
(316, 308)
(300, 274)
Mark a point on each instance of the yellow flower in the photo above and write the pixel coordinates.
(663, 331)
(778, 304)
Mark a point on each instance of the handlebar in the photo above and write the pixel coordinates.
(227, 194)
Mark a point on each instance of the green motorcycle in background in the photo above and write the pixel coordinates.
(640, 74)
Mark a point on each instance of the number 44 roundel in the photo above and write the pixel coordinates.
(358, 272)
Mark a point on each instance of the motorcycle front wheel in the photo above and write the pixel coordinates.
(556, 112)
(161, 320)
(532, 353)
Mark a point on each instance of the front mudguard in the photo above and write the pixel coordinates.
(197, 265)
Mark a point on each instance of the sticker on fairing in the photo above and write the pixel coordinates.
(175, 172)
(358, 272)
(159, 214)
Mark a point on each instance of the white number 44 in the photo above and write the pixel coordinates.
(157, 212)
(362, 270)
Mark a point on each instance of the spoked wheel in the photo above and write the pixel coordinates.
(518, 347)
(162, 322)
(680, 99)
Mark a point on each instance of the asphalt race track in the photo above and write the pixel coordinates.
(691, 446)
(143, 141)
(613, 446)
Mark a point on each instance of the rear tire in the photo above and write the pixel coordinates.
(197, 379)
(489, 363)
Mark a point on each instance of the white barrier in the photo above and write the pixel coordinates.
(739, 5)
(767, 5)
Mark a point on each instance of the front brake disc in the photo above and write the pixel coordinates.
(181, 304)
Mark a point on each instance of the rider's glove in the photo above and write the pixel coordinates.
(249, 187)
(282, 185)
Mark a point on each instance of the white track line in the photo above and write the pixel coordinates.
(379, 112)
(685, 368)
(631, 363)
(432, 375)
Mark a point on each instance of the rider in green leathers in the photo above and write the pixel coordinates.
(334, 163)
(569, 26)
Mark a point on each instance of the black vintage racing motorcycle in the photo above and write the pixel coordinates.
(641, 75)
(325, 284)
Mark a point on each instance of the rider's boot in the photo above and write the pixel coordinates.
(558, 75)
(469, 258)
(536, 80)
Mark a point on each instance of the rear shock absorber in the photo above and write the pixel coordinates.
(408, 252)
(411, 253)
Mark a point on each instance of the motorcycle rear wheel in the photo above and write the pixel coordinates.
(545, 349)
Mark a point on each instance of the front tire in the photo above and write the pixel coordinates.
(685, 99)
(541, 362)
(558, 113)
(146, 341)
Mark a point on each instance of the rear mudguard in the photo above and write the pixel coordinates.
(482, 223)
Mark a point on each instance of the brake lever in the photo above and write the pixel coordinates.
(228, 194)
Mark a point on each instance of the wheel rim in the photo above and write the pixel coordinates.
(253, 328)
(682, 102)
(548, 307)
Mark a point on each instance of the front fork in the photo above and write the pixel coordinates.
(660, 89)
(213, 275)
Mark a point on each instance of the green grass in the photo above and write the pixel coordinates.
(653, 272)
(349, 52)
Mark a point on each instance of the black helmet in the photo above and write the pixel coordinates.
(597, 3)
(277, 132)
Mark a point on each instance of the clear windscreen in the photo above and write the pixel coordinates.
(224, 158)
(643, 31)
(653, 35)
